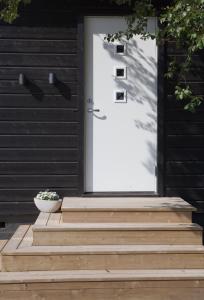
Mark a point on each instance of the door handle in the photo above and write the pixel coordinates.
(90, 110)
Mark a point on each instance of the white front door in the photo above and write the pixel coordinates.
(120, 109)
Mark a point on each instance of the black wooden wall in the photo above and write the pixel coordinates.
(184, 137)
(41, 126)
(39, 123)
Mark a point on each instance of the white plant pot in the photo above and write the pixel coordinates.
(48, 206)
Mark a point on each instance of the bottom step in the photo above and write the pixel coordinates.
(101, 285)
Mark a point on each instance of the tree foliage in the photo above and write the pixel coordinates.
(9, 9)
(181, 21)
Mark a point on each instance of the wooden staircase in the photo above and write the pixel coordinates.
(107, 249)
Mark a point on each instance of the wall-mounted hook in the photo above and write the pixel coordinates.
(52, 78)
(21, 79)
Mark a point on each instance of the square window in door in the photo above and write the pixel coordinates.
(120, 49)
(120, 96)
(120, 72)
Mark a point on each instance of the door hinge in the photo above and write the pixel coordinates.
(155, 170)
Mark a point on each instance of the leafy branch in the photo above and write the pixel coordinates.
(9, 9)
(181, 21)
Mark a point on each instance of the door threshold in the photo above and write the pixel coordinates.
(120, 194)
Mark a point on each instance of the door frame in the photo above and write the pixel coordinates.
(160, 119)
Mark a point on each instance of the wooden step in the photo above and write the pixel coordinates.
(116, 210)
(20, 255)
(103, 284)
(2, 245)
(53, 233)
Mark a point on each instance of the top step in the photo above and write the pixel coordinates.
(126, 204)
(119, 209)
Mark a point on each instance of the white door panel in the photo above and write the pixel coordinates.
(121, 138)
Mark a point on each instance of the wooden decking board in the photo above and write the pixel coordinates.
(44, 237)
(100, 275)
(54, 219)
(42, 219)
(2, 244)
(52, 226)
(139, 261)
(16, 239)
(27, 239)
(105, 249)
(100, 291)
(125, 204)
(102, 284)
(61, 221)
(127, 216)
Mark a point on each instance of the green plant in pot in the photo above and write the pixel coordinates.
(48, 201)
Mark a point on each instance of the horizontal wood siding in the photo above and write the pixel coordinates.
(39, 123)
(184, 138)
